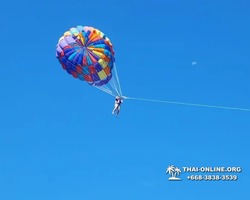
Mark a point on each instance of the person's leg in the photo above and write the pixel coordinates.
(118, 110)
(115, 108)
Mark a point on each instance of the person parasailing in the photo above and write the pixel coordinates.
(118, 102)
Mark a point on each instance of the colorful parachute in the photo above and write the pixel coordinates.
(87, 54)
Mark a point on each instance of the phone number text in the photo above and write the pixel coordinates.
(212, 178)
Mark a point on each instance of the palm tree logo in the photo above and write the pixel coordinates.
(173, 172)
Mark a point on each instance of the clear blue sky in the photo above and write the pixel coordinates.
(58, 138)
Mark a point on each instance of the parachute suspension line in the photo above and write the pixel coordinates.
(105, 90)
(189, 104)
(117, 78)
(114, 85)
(105, 87)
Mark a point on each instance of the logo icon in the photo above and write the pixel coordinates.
(173, 172)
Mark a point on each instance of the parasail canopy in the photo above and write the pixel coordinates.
(87, 54)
